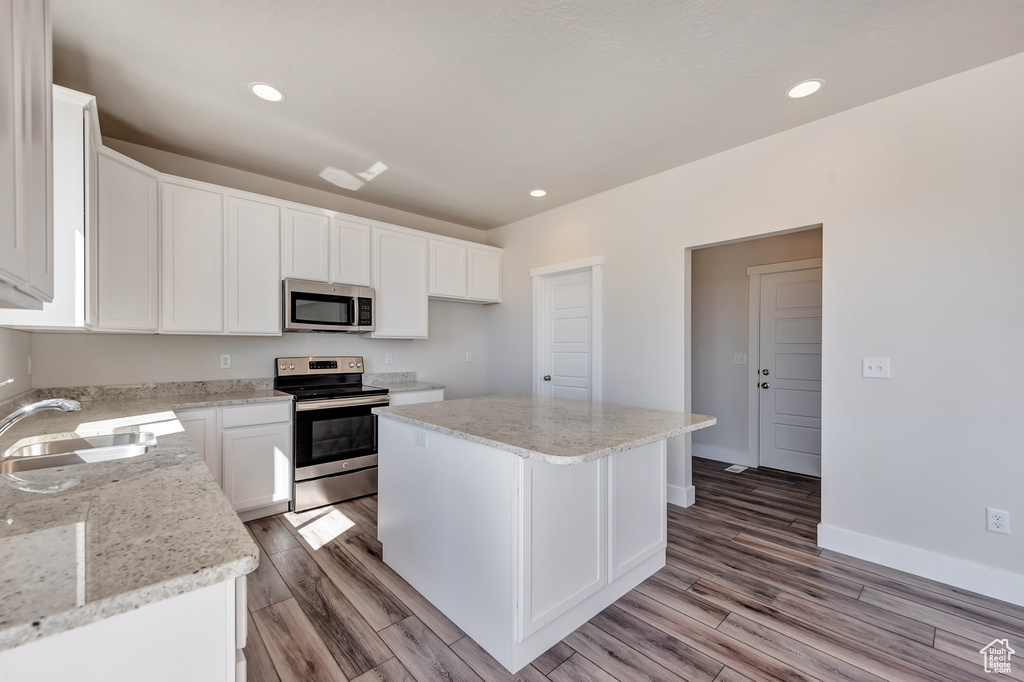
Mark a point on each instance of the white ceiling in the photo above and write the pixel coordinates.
(473, 103)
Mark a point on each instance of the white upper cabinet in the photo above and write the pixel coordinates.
(253, 267)
(75, 137)
(350, 252)
(449, 271)
(192, 258)
(400, 272)
(484, 274)
(307, 245)
(464, 271)
(26, 220)
(124, 245)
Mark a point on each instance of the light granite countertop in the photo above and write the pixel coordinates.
(399, 382)
(125, 533)
(553, 430)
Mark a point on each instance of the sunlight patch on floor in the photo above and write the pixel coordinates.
(325, 528)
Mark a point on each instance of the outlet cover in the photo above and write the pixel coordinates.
(421, 438)
(997, 521)
(389, 359)
(225, 361)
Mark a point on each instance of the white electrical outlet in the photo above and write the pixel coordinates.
(389, 359)
(739, 359)
(421, 438)
(469, 356)
(225, 361)
(997, 521)
(875, 368)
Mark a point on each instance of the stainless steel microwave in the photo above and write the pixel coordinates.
(320, 307)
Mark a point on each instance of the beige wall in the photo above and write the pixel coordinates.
(921, 202)
(719, 329)
(204, 171)
(15, 348)
(89, 359)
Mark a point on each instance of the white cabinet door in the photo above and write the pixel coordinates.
(192, 239)
(257, 465)
(484, 274)
(350, 252)
(400, 269)
(201, 427)
(253, 267)
(637, 507)
(34, 177)
(125, 245)
(13, 238)
(448, 268)
(307, 245)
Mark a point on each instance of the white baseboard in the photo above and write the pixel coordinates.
(991, 582)
(681, 497)
(720, 454)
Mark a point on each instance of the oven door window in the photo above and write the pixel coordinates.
(334, 434)
(337, 311)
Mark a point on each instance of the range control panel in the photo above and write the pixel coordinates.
(319, 365)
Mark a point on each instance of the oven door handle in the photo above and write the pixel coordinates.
(340, 402)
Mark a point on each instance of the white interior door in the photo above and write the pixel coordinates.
(790, 371)
(566, 336)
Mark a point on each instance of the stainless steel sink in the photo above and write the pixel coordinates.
(85, 450)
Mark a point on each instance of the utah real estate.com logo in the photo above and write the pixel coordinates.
(997, 656)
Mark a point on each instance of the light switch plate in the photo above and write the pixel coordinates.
(875, 368)
(469, 356)
(739, 359)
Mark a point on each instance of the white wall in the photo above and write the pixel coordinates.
(719, 321)
(15, 348)
(204, 171)
(922, 200)
(97, 359)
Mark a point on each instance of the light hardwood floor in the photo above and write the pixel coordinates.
(746, 595)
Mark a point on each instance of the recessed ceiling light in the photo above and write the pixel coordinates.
(537, 193)
(267, 92)
(804, 89)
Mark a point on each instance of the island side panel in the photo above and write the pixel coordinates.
(638, 509)
(446, 519)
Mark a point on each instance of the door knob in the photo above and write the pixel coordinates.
(547, 377)
(765, 372)
(765, 384)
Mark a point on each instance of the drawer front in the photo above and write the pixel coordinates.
(256, 415)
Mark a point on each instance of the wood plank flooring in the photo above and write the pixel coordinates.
(746, 595)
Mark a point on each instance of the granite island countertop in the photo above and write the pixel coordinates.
(553, 430)
(127, 532)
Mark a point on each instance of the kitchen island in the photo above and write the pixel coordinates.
(521, 517)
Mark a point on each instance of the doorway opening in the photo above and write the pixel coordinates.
(755, 350)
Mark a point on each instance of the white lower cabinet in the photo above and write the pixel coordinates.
(201, 427)
(248, 449)
(257, 465)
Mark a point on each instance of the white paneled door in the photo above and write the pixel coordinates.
(566, 338)
(790, 371)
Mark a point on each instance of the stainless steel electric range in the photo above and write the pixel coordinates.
(334, 432)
